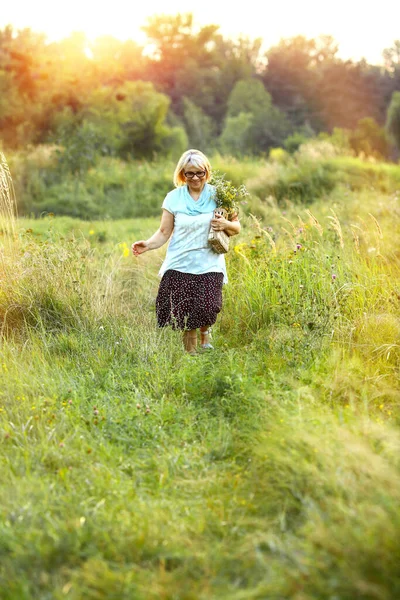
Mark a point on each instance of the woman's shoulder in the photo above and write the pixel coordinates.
(177, 193)
(173, 193)
(172, 199)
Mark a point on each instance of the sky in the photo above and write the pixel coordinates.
(361, 29)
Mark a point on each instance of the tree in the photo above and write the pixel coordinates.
(116, 61)
(197, 63)
(260, 124)
(131, 119)
(21, 86)
(234, 138)
(393, 119)
(199, 127)
(391, 56)
(347, 92)
(181, 54)
(291, 76)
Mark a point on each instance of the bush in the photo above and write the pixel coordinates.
(303, 181)
(111, 189)
(294, 141)
(369, 139)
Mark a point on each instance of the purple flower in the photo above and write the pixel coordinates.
(333, 276)
(298, 246)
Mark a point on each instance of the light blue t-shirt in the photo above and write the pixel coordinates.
(188, 249)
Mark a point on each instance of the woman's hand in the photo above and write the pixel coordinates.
(219, 223)
(231, 227)
(139, 247)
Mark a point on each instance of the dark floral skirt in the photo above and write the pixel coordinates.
(187, 301)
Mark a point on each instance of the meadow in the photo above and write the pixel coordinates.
(267, 469)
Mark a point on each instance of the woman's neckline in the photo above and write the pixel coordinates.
(195, 199)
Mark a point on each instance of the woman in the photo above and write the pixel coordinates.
(190, 292)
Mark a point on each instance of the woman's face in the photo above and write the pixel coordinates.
(195, 177)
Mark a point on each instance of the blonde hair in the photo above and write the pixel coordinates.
(194, 158)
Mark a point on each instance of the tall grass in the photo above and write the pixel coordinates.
(8, 206)
(268, 469)
(115, 189)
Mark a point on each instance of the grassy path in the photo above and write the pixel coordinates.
(269, 469)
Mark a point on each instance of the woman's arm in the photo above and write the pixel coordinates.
(159, 238)
(218, 223)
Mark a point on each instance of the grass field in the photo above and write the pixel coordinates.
(269, 469)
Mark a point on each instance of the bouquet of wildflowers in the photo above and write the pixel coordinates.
(227, 196)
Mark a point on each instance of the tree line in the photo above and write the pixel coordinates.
(190, 86)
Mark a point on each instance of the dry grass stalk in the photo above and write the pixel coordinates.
(356, 238)
(315, 223)
(255, 223)
(336, 226)
(302, 225)
(8, 205)
(378, 227)
(291, 238)
(269, 238)
(290, 223)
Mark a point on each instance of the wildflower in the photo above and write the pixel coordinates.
(126, 252)
(333, 276)
(91, 232)
(226, 195)
(298, 246)
(239, 247)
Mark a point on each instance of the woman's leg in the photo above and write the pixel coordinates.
(190, 340)
(205, 334)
